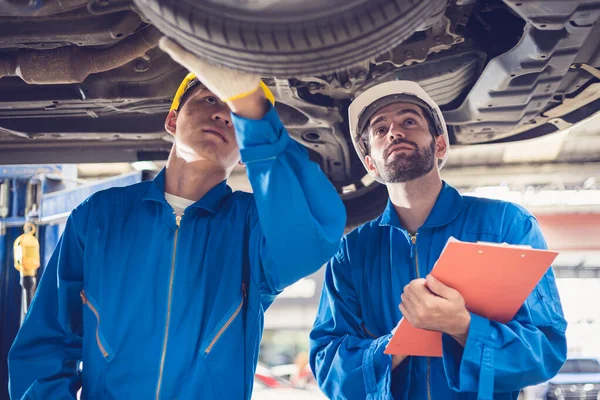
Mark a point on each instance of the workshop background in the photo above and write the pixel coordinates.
(557, 177)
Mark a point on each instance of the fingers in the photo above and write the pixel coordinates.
(227, 84)
(440, 289)
(174, 50)
(416, 287)
(188, 60)
(408, 301)
(405, 312)
(429, 304)
(412, 315)
(414, 299)
(167, 45)
(417, 291)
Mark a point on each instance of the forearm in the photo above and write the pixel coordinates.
(351, 368)
(522, 355)
(300, 213)
(460, 329)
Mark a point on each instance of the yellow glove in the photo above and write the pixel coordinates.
(227, 84)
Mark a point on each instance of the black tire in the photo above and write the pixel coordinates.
(316, 40)
(366, 207)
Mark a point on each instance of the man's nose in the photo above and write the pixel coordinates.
(394, 133)
(223, 117)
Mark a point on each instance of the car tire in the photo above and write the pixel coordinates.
(366, 207)
(315, 39)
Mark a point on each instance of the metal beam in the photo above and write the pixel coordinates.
(73, 152)
(26, 171)
(576, 272)
(521, 174)
(55, 207)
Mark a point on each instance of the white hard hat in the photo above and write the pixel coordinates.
(373, 99)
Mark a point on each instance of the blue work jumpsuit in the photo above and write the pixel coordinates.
(359, 309)
(137, 304)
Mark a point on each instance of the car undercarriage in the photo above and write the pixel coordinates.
(83, 80)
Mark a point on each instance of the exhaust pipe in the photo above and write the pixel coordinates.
(73, 64)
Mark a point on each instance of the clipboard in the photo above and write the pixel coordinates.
(494, 279)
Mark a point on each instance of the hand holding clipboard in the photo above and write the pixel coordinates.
(494, 279)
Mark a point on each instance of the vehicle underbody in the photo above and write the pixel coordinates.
(500, 70)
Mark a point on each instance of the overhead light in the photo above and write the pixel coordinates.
(589, 182)
(499, 193)
(304, 288)
(545, 148)
(144, 166)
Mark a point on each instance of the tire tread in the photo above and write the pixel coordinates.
(291, 49)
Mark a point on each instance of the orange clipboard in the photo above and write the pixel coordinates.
(494, 279)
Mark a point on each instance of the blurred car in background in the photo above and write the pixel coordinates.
(268, 386)
(267, 378)
(285, 371)
(578, 379)
(262, 392)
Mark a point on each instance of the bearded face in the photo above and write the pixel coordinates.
(402, 166)
(401, 146)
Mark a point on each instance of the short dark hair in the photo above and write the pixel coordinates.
(363, 137)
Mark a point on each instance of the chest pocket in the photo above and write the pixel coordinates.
(544, 305)
(481, 224)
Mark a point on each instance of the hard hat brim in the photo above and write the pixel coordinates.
(190, 81)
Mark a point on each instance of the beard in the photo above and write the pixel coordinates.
(406, 167)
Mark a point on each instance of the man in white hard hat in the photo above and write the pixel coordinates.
(401, 137)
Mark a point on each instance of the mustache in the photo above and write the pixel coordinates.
(396, 142)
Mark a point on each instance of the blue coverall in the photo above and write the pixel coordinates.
(136, 304)
(359, 309)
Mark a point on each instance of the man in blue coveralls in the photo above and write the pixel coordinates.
(400, 134)
(158, 290)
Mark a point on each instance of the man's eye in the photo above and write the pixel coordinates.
(410, 121)
(380, 130)
(211, 99)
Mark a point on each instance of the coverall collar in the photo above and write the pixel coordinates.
(210, 202)
(445, 210)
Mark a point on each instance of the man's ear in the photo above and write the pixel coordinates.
(171, 122)
(441, 147)
(371, 168)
